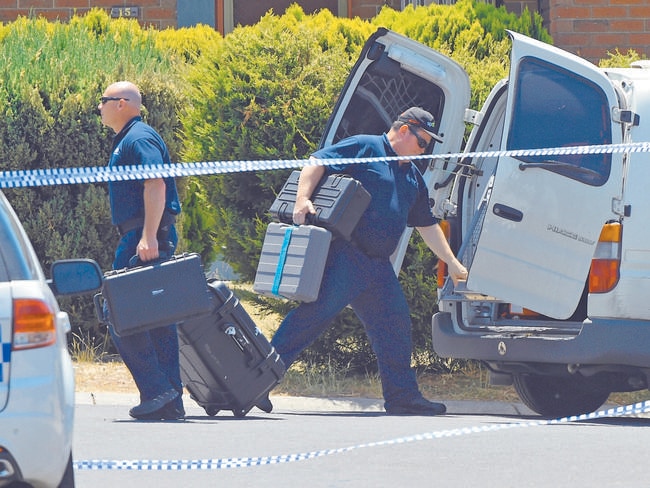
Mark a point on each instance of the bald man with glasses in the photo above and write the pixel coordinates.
(144, 212)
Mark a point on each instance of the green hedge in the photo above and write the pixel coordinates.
(261, 92)
(267, 92)
(53, 75)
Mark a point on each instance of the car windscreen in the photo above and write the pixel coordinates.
(15, 252)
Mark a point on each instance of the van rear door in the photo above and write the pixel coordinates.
(392, 74)
(545, 211)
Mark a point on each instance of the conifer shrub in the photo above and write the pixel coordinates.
(267, 91)
(263, 94)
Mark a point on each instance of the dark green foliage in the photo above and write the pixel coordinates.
(264, 93)
(419, 282)
(343, 345)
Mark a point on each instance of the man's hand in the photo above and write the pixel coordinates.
(437, 242)
(309, 178)
(147, 249)
(301, 209)
(457, 272)
(154, 206)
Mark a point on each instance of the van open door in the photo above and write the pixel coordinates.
(544, 213)
(392, 74)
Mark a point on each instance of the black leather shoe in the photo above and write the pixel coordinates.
(171, 411)
(419, 406)
(154, 405)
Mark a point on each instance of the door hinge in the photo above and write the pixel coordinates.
(621, 209)
(473, 117)
(625, 116)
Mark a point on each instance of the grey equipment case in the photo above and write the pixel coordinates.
(292, 261)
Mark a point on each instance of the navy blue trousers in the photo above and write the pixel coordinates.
(150, 356)
(371, 288)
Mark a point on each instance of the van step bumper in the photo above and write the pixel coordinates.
(616, 342)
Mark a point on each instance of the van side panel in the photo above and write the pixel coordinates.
(629, 299)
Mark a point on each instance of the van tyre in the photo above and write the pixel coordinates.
(559, 396)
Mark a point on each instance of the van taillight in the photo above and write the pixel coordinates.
(442, 266)
(34, 324)
(605, 265)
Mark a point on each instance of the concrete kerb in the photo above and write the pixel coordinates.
(282, 403)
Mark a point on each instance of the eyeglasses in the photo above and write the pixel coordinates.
(422, 142)
(103, 100)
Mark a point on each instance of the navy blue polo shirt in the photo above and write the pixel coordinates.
(399, 195)
(136, 144)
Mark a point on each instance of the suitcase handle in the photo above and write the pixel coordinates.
(240, 339)
(162, 256)
(99, 308)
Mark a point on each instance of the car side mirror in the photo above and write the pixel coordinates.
(75, 277)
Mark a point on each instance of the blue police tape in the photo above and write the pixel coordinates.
(227, 463)
(102, 174)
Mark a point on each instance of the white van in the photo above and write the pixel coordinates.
(557, 301)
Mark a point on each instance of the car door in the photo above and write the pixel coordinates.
(392, 74)
(544, 212)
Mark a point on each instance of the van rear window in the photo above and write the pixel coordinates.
(553, 108)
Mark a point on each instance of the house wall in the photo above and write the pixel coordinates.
(589, 28)
(156, 13)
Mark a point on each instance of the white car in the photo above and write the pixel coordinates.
(36, 375)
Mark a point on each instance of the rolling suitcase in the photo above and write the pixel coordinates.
(339, 200)
(226, 362)
(292, 261)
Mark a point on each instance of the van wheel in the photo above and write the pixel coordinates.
(559, 396)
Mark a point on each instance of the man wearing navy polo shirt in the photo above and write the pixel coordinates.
(144, 213)
(359, 273)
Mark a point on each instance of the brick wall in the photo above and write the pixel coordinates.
(157, 13)
(591, 28)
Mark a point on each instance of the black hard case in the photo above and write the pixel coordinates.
(226, 362)
(150, 296)
(339, 200)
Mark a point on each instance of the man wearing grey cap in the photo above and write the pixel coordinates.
(359, 272)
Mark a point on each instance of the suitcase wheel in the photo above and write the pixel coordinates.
(211, 411)
(265, 404)
(240, 414)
